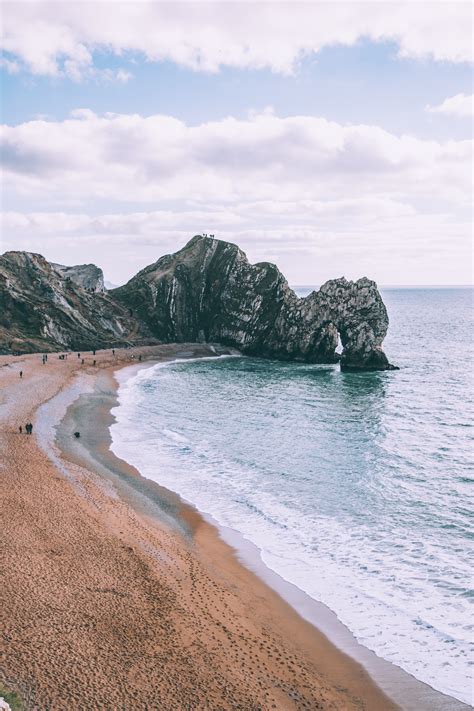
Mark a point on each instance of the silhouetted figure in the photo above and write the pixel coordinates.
(82, 361)
(78, 355)
(93, 352)
(94, 362)
(29, 428)
(21, 429)
(21, 373)
(113, 351)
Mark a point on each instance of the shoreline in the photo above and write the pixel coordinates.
(400, 686)
(156, 562)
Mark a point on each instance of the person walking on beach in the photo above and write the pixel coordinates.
(21, 429)
(21, 373)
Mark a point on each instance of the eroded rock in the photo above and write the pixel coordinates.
(87, 276)
(41, 309)
(208, 291)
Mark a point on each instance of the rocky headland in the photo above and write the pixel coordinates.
(206, 292)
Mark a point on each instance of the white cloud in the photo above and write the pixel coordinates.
(123, 76)
(317, 197)
(12, 67)
(129, 158)
(55, 38)
(310, 242)
(461, 105)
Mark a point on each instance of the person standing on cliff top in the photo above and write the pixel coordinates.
(21, 373)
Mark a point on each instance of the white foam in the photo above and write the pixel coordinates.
(361, 574)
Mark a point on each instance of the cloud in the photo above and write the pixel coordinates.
(318, 197)
(55, 39)
(461, 105)
(12, 67)
(130, 158)
(311, 242)
(123, 76)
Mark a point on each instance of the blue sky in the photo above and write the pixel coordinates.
(351, 157)
(365, 83)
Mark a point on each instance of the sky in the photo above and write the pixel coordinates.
(331, 138)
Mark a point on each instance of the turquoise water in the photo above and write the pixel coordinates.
(357, 488)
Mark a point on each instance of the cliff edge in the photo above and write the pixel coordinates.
(206, 292)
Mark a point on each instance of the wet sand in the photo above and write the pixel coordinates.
(116, 594)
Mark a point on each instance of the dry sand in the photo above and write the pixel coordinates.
(115, 595)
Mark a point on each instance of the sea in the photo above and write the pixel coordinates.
(355, 487)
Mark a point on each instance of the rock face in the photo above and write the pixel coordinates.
(87, 276)
(208, 291)
(41, 309)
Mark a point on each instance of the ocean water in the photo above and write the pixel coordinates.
(357, 488)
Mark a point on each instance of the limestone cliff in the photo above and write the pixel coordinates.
(208, 291)
(87, 276)
(42, 308)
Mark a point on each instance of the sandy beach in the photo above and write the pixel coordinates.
(117, 595)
